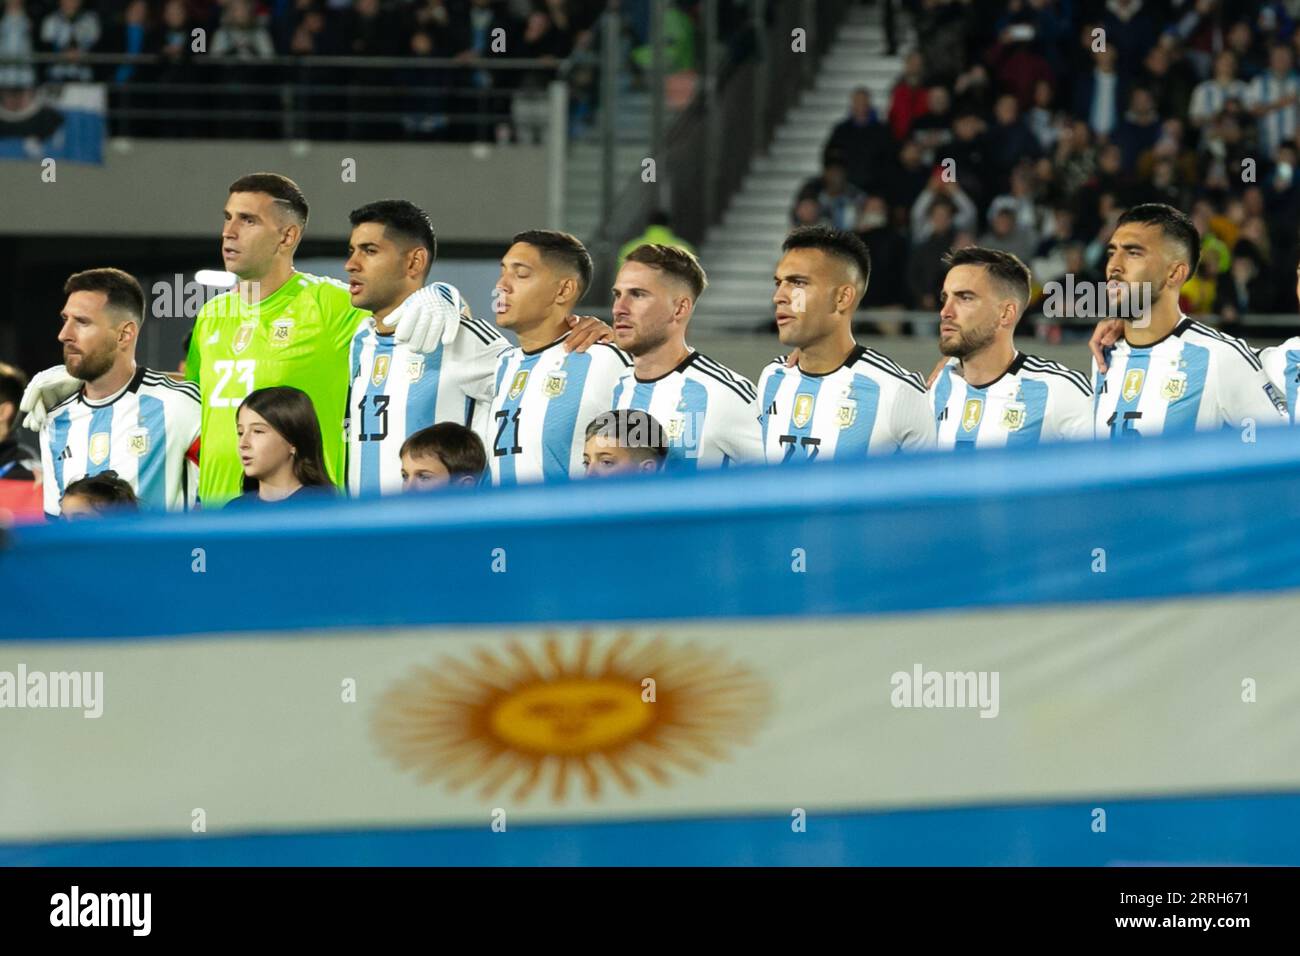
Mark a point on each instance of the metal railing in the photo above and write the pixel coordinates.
(289, 96)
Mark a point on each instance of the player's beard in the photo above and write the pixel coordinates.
(91, 365)
(1128, 299)
(646, 341)
(968, 341)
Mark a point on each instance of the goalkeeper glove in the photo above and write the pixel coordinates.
(44, 391)
(429, 316)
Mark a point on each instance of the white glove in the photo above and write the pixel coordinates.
(44, 391)
(429, 316)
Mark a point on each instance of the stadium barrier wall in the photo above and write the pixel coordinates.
(514, 177)
(722, 668)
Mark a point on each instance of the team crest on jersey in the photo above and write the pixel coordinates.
(675, 428)
(972, 414)
(415, 368)
(803, 409)
(380, 371)
(281, 329)
(553, 387)
(847, 413)
(1013, 417)
(518, 383)
(99, 445)
(242, 338)
(1175, 386)
(137, 441)
(1133, 380)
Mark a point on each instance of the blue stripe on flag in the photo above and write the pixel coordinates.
(1232, 830)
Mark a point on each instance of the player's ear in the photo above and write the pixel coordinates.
(292, 233)
(418, 263)
(1008, 313)
(682, 308)
(566, 291)
(844, 297)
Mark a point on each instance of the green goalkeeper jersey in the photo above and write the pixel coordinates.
(299, 335)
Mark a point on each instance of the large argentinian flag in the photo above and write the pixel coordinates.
(1070, 655)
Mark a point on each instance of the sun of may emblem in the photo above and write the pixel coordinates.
(578, 712)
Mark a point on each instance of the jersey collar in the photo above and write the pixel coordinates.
(682, 366)
(525, 351)
(1183, 325)
(857, 353)
(1016, 364)
(131, 386)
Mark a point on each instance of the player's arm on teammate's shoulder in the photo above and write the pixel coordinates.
(428, 316)
(935, 372)
(1076, 414)
(1106, 334)
(1245, 392)
(743, 432)
(585, 331)
(914, 423)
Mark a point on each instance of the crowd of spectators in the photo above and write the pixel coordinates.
(1030, 126)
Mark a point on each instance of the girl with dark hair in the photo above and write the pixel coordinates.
(279, 447)
(95, 495)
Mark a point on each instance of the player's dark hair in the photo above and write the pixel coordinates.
(282, 189)
(1174, 224)
(564, 250)
(104, 490)
(678, 263)
(633, 429)
(838, 243)
(12, 385)
(457, 447)
(403, 220)
(290, 412)
(120, 288)
(1004, 268)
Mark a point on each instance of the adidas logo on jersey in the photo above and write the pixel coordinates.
(771, 409)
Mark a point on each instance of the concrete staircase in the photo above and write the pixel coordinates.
(740, 253)
(582, 183)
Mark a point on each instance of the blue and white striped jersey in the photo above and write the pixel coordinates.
(395, 391)
(1194, 379)
(1033, 400)
(869, 405)
(708, 412)
(148, 433)
(544, 401)
(1282, 366)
